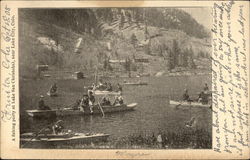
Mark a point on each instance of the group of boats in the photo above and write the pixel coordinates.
(72, 138)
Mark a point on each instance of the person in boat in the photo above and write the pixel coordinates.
(91, 98)
(105, 101)
(100, 85)
(57, 128)
(118, 100)
(53, 89)
(93, 86)
(185, 96)
(203, 98)
(119, 87)
(84, 103)
(41, 104)
(109, 87)
(205, 88)
(77, 104)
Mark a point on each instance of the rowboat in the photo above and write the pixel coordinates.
(188, 104)
(135, 83)
(31, 139)
(70, 111)
(98, 92)
(41, 113)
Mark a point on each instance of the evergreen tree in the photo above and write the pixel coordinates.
(175, 52)
(185, 58)
(133, 40)
(122, 21)
(191, 58)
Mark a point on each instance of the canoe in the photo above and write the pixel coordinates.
(188, 104)
(136, 83)
(70, 111)
(30, 139)
(98, 92)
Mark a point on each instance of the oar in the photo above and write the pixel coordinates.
(37, 134)
(67, 107)
(101, 109)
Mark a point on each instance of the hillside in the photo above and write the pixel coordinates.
(77, 39)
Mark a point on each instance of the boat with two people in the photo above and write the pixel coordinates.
(203, 100)
(56, 135)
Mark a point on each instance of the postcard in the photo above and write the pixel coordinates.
(125, 79)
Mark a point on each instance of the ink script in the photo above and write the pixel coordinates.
(230, 78)
(8, 69)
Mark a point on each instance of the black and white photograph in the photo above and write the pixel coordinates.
(115, 78)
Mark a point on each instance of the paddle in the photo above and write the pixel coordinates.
(37, 134)
(101, 108)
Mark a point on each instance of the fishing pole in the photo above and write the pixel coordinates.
(37, 134)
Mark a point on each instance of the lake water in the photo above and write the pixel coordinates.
(152, 114)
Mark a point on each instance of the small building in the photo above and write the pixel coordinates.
(41, 68)
(141, 60)
(79, 75)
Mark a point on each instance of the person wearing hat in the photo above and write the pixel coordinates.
(91, 100)
(185, 96)
(205, 88)
(116, 101)
(58, 127)
(41, 104)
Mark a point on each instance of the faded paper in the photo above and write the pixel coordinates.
(230, 78)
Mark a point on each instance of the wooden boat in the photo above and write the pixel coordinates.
(31, 139)
(135, 83)
(188, 104)
(98, 92)
(70, 111)
(41, 113)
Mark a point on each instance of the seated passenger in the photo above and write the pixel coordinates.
(203, 98)
(185, 96)
(53, 88)
(57, 128)
(109, 87)
(41, 104)
(84, 103)
(119, 87)
(105, 101)
(205, 87)
(116, 101)
(120, 99)
(77, 104)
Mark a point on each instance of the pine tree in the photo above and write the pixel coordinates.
(175, 52)
(191, 59)
(133, 40)
(122, 21)
(185, 58)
